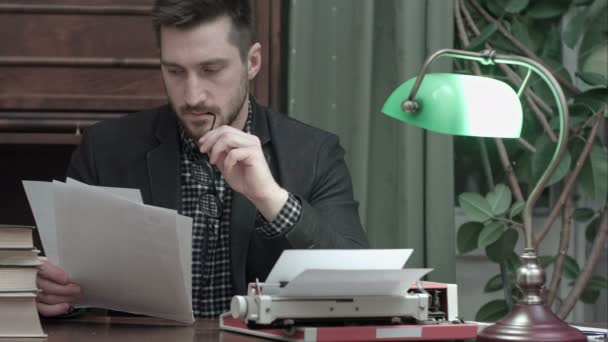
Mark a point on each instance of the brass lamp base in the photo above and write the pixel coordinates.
(531, 320)
(531, 323)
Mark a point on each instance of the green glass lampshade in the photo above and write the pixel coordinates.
(460, 105)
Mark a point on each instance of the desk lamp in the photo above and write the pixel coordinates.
(480, 106)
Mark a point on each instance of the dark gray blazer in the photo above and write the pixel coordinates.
(142, 151)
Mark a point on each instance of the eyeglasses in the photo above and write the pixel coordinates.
(209, 203)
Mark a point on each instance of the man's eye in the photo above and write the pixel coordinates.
(211, 69)
(174, 71)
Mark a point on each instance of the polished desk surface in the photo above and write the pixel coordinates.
(123, 329)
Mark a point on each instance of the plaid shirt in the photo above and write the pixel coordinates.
(211, 273)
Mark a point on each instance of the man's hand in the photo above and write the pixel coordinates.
(57, 292)
(239, 157)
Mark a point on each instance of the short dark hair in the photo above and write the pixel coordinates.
(189, 13)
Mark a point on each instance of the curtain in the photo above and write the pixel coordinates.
(345, 57)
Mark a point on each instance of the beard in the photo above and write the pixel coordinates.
(197, 129)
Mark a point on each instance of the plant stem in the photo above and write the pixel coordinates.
(511, 222)
(564, 240)
(462, 34)
(524, 49)
(523, 142)
(509, 172)
(597, 251)
(485, 161)
(506, 284)
(570, 182)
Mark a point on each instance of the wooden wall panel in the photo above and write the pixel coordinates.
(98, 56)
(72, 35)
(67, 64)
(65, 88)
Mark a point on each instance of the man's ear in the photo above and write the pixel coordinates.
(254, 60)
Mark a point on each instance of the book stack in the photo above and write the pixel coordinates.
(19, 263)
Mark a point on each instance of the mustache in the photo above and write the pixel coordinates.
(186, 109)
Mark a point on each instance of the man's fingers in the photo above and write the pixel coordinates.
(234, 156)
(56, 274)
(54, 299)
(224, 145)
(50, 287)
(52, 310)
(225, 137)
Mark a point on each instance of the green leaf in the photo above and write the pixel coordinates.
(593, 62)
(593, 99)
(503, 248)
(575, 28)
(516, 208)
(496, 7)
(594, 175)
(547, 9)
(545, 149)
(592, 78)
(573, 121)
(597, 283)
(492, 311)
(582, 2)
(595, 40)
(494, 284)
(598, 8)
(592, 228)
(477, 42)
(516, 6)
(546, 260)
(522, 32)
(499, 199)
(467, 236)
(583, 214)
(490, 233)
(552, 46)
(513, 263)
(475, 206)
(571, 269)
(589, 296)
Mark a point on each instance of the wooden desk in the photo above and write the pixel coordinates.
(130, 329)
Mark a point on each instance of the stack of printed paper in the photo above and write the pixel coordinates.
(125, 255)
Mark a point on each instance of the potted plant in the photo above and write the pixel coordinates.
(544, 31)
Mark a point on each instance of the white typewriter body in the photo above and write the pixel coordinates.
(264, 305)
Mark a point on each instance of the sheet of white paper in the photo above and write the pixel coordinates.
(133, 195)
(295, 261)
(125, 256)
(346, 283)
(184, 239)
(40, 196)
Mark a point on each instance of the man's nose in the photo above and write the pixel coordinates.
(195, 92)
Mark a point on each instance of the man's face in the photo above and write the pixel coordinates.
(205, 76)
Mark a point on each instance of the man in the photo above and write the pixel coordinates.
(275, 183)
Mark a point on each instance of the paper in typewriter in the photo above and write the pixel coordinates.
(126, 256)
(356, 272)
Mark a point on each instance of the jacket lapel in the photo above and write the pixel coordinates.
(243, 211)
(162, 161)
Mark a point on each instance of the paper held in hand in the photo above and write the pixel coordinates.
(125, 255)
